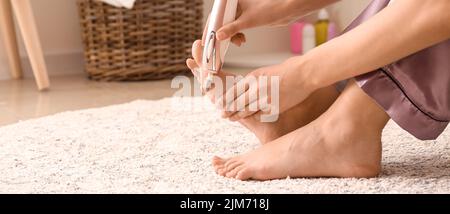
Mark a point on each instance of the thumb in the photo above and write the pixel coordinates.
(229, 30)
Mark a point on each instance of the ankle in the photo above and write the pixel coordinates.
(356, 143)
(350, 120)
(265, 132)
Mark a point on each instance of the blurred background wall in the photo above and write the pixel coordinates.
(57, 21)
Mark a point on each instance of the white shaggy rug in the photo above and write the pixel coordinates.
(150, 147)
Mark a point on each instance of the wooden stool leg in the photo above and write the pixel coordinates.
(27, 25)
(10, 40)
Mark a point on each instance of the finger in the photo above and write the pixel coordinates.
(244, 100)
(266, 110)
(256, 107)
(246, 114)
(249, 97)
(245, 105)
(205, 30)
(226, 102)
(258, 115)
(229, 30)
(264, 104)
(238, 90)
(229, 83)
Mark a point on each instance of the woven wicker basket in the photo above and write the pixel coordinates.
(151, 41)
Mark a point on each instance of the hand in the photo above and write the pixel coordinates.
(256, 13)
(219, 86)
(273, 90)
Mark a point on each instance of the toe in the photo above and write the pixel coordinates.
(218, 164)
(235, 117)
(230, 162)
(244, 174)
(197, 52)
(191, 64)
(218, 161)
(218, 169)
(234, 172)
(222, 171)
(233, 166)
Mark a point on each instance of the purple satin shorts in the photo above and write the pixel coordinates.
(414, 91)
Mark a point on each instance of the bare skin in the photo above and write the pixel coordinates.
(296, 117)
(305, 141)
(344, 142)
(302, 75)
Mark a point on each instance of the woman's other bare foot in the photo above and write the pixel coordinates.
(344, 142)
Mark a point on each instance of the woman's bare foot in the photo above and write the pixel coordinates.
(344, 142)
(288, 121)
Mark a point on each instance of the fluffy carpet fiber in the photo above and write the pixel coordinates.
(166, 147)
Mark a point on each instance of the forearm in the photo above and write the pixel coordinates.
(403, 28)
(308, 6)
(299, 8)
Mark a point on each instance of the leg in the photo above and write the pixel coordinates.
(290, 120)
(10, 39)
(27, 25)
(344, 142)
